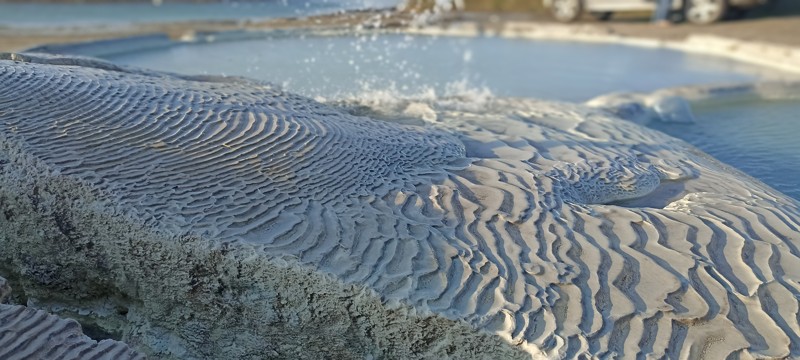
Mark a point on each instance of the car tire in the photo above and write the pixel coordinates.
(602, 16)
(566, 10)
(704, 12)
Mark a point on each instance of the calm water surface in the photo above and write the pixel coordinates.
(760, 137)
(404, 65)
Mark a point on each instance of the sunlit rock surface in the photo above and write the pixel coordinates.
(230, 219)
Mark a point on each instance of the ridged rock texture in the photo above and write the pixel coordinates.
(222, 218)
(33, 334)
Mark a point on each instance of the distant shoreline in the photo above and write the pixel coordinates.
(104, 1)
(768, 41)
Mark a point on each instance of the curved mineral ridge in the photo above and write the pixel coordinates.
(233, 219)
(672, 104)
(33, 334)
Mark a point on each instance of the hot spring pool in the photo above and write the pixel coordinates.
(402, 65)
(755, 135)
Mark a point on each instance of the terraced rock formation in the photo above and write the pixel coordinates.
(33, 334)
(225, 218)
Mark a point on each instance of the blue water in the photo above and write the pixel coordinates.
(760, 137)
(32, 15)
(400, 65)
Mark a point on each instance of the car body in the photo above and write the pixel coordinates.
(696, 11)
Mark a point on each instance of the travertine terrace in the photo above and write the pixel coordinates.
(227, 217)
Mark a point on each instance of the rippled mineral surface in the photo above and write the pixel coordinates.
(201, 217)
(27, 333)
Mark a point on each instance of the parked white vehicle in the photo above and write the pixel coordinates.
(695, 11)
